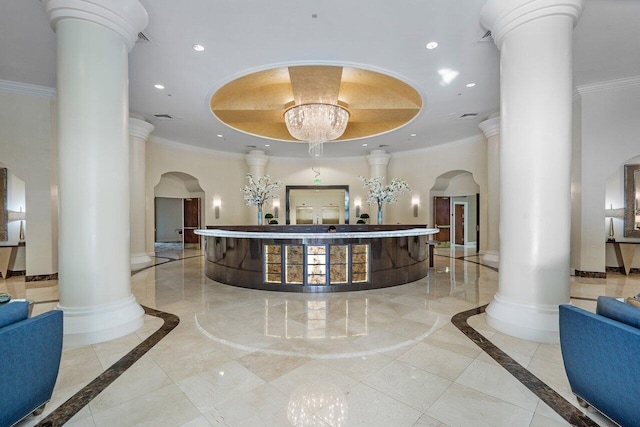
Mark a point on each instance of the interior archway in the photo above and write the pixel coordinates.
(178, 199)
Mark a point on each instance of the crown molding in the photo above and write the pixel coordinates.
(609, 85)
(27, 89)
(195, 149)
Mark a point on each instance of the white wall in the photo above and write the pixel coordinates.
(609, 129)
(27, 148)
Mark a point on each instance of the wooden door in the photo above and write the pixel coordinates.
(191, 220)
(459, 223)
(442, 218)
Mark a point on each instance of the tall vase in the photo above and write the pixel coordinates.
(259, 214)
(379, 213)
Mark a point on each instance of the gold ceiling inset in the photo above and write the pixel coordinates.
(255, 103)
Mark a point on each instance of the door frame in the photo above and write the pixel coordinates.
(465, 225)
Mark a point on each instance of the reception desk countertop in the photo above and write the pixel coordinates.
(317, 235)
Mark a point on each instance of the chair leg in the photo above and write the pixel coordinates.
(582, 402)
(39, 410)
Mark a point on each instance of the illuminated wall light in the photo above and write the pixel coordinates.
(276, 207)
(415, 202)
(357, 204)
(216, 207)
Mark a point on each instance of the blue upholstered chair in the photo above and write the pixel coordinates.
(601, 354)
(30, 351)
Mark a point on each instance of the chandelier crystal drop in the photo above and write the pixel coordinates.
(316, 123)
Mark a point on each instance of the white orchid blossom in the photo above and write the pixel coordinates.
(379, 193)
(258, 191)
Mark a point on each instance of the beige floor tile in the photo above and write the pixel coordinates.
(408, 384)
(165, 407)
(444, 363)
(462, 406)
(497, 382)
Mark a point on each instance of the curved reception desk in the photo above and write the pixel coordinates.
(308, 258)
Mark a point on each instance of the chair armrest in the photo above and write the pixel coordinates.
(31, 352)
(600, 358)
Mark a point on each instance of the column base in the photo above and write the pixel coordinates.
(491, 256)
(140, 261)
(90, 325)
(535, 322)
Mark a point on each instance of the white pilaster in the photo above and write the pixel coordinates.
(378, 162)
(257, 162)
(93, 42)
(535, 41)
(491, 130)
(139, 132)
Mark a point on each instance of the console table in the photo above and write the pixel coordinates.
(624, 253)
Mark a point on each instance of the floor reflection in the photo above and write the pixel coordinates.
(317, 404)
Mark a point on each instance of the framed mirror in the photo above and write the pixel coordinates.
(632, 200)
(327, 204)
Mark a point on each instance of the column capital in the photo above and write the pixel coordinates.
(139, 128)
(490, 127)
(503, 16)
(256, 158)
(378, 157)
(125, 17)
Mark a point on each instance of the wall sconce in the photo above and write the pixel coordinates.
(357, 203)
(276, 206)
(415, 202)
(613, 213)
(216, 207)
(17, 216)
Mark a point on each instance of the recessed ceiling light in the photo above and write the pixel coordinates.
(219, 136)
(159, 86)
(267, 145)
(432, 45)
(470, 84)
(198, 48)
(414, 134)
(364, 145)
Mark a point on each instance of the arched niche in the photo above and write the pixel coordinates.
(455, 198)
(178, 207)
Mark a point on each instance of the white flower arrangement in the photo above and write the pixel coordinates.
(258, 191)
(380, 193)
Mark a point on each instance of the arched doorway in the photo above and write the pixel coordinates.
(456, 209)
(178, 199)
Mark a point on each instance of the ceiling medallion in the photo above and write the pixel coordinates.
(308, 103)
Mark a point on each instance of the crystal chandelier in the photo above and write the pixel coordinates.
(316, 123)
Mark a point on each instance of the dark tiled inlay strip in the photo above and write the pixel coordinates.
(549, 396)
(82, 398)
(466, 259)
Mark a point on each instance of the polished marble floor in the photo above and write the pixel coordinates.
(387, 357)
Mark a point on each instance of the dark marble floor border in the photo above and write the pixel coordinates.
(549, 396)
(75, 403)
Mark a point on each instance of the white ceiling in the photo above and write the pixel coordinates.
(243, 36)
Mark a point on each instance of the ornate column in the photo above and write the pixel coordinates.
(139, 132)
(491, 130)
(93, 42)
(535, 42)
(378, 162)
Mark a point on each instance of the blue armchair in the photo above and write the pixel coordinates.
(600, 353)
(30, 351)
